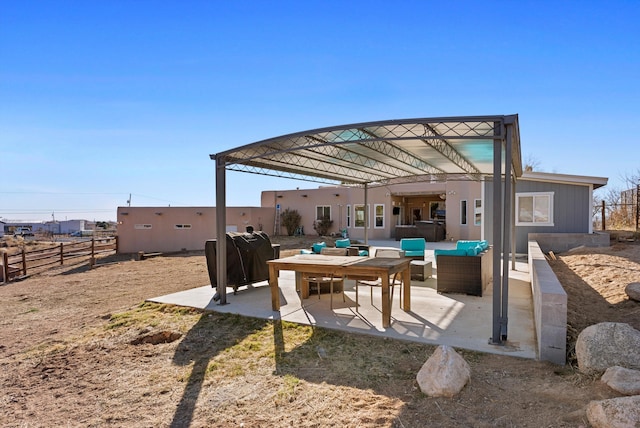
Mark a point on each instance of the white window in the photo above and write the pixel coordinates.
(348, 216)
(142, 226)
(360, 215)
(182, 226)
(534, 209)
(463, 212)
(323, 212)
(379, 216)
(477, 212)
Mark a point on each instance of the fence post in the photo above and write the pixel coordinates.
(604, 224)
(92, 262)
(5, 266)
(61, 255)
(24, 262)
(637, 207)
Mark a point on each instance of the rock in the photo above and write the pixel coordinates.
(633, 291)
(608, 344)
(615, 413)
(444, 374)
(624, 381)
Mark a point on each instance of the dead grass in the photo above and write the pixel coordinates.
(78, 348)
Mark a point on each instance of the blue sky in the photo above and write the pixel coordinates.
(99, 100)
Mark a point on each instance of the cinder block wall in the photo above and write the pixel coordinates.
(560, 242)
(549, 307)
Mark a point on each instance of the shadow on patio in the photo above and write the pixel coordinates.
(440, 319)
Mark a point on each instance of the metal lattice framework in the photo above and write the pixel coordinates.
(390, 152)
(379, 153)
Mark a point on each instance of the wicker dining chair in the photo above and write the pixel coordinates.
(320, 279)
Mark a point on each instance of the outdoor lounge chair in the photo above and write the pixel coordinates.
(413, 247)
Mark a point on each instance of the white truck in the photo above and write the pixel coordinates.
(22, 231)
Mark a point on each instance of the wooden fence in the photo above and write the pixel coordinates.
(19, 265)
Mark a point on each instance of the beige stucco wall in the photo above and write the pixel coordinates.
(458, 191)
(413, 198)
(170, 229)
(157, 229)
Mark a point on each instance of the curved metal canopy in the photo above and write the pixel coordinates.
(389, 152)
(383, 152)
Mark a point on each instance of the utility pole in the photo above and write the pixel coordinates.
(129, 200)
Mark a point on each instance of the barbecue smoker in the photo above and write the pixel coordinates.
(247, 255)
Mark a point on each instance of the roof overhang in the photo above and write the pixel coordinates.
(383, 152)
(583, 180)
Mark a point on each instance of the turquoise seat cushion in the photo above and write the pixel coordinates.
(363, 253)
(318, 246)
(456, 252)
(478, 246)
(463, 245)
(343, 243)
(413, 253)
(413, 247)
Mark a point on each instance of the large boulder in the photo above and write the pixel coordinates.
(633, 291)
(624, 381)
(608, 344)
(444, 374)
(619, 412)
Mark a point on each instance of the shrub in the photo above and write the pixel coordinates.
(290, 219)
(322, 226)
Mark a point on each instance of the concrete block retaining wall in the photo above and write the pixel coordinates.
(549, 307)
(561, 242)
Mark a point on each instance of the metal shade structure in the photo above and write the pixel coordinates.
(388, 152)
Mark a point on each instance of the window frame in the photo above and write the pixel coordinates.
(355, 215)
(376, 216)
(535, 196)
(348, 216)
(477, 212)
(464, 208)
(323, 207)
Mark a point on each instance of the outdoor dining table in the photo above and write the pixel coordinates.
(350, 267)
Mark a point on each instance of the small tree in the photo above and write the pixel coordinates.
(290, 219)
(322, 226)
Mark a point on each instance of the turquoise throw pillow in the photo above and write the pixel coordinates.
(317, 247)
(343, 243)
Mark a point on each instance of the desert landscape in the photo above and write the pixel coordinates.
(80, 347)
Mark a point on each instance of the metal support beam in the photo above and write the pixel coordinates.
(366, 214)
(513, 225)
(497, 240)
(506, 222)
(221, 232)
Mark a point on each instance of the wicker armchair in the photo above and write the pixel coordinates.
(464, 274)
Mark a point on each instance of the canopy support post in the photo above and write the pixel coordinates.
(366, 214)
(221, 232)
(506, 221)
(497, 238)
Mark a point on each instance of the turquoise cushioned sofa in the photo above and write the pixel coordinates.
(467, 269)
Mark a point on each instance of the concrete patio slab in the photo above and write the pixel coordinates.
(457, 320)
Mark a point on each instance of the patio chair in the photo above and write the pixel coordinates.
(372, 282)
(413, 247)
(320, 279)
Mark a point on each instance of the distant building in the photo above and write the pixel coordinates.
(54, 227)
(544, 203)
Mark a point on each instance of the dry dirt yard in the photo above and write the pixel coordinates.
(79, 347)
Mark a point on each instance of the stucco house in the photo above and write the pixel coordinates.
(545, 203)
